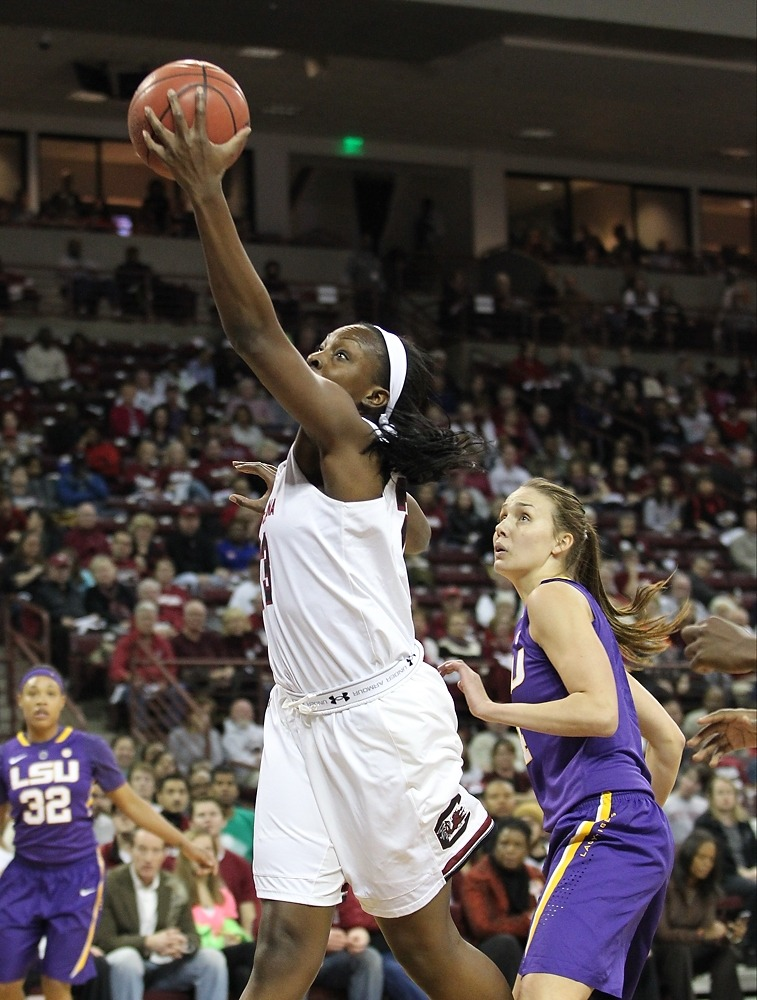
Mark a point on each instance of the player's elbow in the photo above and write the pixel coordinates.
(606, 720)
(676, 743)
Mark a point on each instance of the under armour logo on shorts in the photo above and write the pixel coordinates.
(336, 698)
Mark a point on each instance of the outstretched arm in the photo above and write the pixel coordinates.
(717, 644)
(724, 730)
(244, 305)
(147, 818)
(665, 741)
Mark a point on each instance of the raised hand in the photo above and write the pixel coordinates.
(717, 644)
(263, 471)
(724, 730)
(195, 162)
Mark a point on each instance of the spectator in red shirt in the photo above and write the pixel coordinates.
(708, 452)
(172, 597)
(733, 428)
(503, 765)
(196, 642)
(214, 469)
(140, 663)
(125, 419)
(499, 894)
(85, 537)
(707, 511)
(102, 456)
(526, 369)
(118, 851)
(141, 656)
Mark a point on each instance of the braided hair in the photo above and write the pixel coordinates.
(419, 450)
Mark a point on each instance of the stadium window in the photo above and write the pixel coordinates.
(107, 172)
(12, 169)
(78, 158)
(601, 206)
(558, 208)
(538, 204)
(239, 188)
(728, 221)
(662, 216)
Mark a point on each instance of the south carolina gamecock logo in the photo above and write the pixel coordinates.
(452, 823)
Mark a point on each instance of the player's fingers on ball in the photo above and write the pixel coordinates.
(237, 140)
(199, 102)
(155, 122)
(179, 121)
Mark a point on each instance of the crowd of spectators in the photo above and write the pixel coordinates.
(199, 780)
(115, 469)
(135, 469)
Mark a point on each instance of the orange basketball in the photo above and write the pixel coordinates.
(226, 108)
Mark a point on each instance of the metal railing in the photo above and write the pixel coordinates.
(26, 633)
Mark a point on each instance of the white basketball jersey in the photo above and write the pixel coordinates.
(336, 599)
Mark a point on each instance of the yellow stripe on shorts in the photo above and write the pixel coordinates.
(82, 960)
(579, 837)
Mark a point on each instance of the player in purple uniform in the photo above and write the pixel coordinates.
(582, 717)
(53, 886)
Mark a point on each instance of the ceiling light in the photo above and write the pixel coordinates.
(314, 67)
(260, 52)
(88, 96)
(536, 132)
(734, 152)
(545, 186)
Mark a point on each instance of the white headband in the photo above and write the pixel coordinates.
(397, 367)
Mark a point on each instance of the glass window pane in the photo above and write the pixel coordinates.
(661, 216)
(537, 212)
(124, 176)
(601, 207)
(11, 167)
(727, 220)
(238, 185)
(77, 157)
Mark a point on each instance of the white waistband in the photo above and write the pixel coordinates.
(326, 702)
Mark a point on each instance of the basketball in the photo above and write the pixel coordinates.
(226, 108)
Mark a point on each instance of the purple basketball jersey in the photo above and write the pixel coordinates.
(565, 770)
(48, 786)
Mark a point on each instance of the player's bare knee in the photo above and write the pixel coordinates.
(289, 937)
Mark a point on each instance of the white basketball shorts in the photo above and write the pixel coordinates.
(368, 794)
